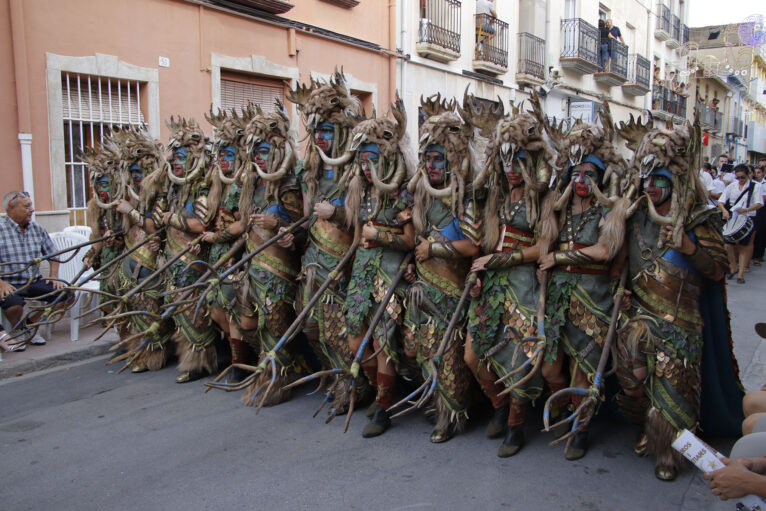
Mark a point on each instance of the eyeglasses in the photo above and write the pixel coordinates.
(741, 177)
(17, 195)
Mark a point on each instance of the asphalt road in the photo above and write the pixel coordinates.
(82, 438)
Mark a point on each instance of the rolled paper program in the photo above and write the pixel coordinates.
(707, 459)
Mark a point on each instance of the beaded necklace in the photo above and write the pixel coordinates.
(584, 218)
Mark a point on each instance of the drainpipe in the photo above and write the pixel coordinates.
(19, 41)
(392, 47)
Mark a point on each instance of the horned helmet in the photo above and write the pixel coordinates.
(272, 146)
(229, 138)
(381, 150)
(517, 142)
(141, 155)
(190, 150)
(586, 142)
(326, 106)
(670, 151)
(106, 180)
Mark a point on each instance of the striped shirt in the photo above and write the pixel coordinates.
(20, 248)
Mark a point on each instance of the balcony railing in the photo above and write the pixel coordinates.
(580, 42)
(676, 28)
(735, 127)
(684, 34)
(616, 68)
(665, 100)
(439, 34)
(707, 115)
(639, 73)
(491, 53)
(675, 32)
(531, 57)
(662, 30)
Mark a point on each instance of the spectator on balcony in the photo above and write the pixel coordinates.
(603, 49)
(614, 32)
(486, 7)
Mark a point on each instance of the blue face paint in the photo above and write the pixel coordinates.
(103, 188)
(136, 173)
(226, 156)
(180, 160)
(368, 154)
(261, 154)
(436, 164)
(228, 153)
(324, 135)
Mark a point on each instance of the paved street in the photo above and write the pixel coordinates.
(81, 437)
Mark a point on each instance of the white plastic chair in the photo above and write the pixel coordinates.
(70, 269)
(82, 230)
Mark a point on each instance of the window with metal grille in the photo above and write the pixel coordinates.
(92, 107)
(237, 90)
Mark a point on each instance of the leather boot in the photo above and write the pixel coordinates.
(512, 443)
(379, 423)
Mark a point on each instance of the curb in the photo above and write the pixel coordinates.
(10, 370)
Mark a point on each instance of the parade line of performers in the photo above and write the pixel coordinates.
(402, 281)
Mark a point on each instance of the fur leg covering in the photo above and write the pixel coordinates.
(189, 359)
(447, 419)
(660, 435)
(154, 360)
(254, 393)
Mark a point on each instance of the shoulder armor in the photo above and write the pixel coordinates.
(703, 213)
(470, 222)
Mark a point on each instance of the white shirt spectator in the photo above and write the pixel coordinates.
(762, 184)
(728, 178)
(484, 7)
(733, 191)
(707, 180)
(718, 188)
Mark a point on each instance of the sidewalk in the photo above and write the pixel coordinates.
(58, 351)
(747, 305)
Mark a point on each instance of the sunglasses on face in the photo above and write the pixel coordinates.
(741, 177)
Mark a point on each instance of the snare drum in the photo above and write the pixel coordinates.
(737, 229)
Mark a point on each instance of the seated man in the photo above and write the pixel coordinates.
(21, 241)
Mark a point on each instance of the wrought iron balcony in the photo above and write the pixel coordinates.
(615, 70)
(639, 72)
(707, 115)
(710, 118)
(735, 127)
(675, 34)
(580, 42)
(667, 102)
(531, 63)
(491, 53)
(662, 28)
(439, 34)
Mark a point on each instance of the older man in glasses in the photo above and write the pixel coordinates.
(22, 241)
